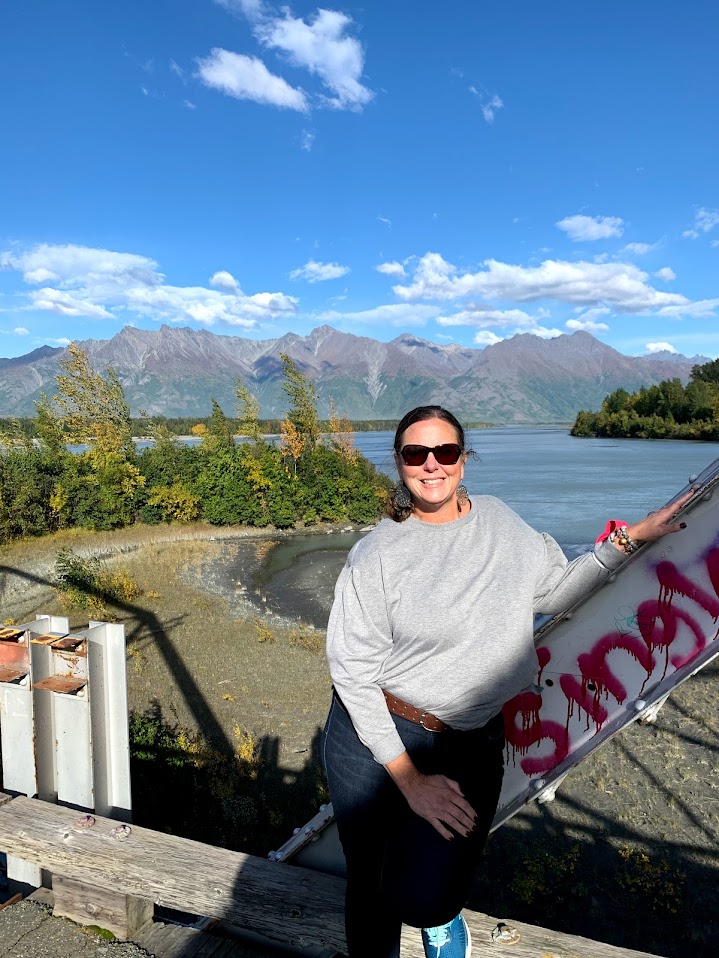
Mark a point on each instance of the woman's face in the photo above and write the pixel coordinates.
(432, 486)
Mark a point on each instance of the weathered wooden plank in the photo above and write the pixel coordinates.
(5, 798)
(533, 942)
(208, 946)
(124, 915)
(42, 896)
(281, 902)
(152, 936)
(177, 941)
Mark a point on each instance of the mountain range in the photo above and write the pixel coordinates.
(176, 371)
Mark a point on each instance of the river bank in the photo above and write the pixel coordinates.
(209, 663)
(631, 839)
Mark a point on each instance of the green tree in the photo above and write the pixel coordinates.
(616, 401)
(302, 397)
(248, 412)
(219, 437)
(701, 397)
(90, 408)
(707, 372)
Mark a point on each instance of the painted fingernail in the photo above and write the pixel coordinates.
(682, 525)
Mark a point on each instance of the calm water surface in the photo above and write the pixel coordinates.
(561, 485)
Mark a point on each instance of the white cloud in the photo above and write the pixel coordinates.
(101, 283)
(704, 221)
(638, 249)
(21, 331)
(224, 280)
(702, 309)
(315, 272)
(589, 320)
(484, 316)
(322, 46)
(307, 139)
(544, 333)
(490, 107)
(63, 341)
(247, 78)
(580, 228)
(660, 347)
(40, 275)
(621, 286)
(391, 269)
(489, 102)
(72, 265)
(485, 338)
(65, 304)
(666, 273)
(383, 219)
(396, 314)
(190, 105)
(588, 325)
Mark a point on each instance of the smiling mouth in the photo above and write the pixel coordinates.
(431, 482)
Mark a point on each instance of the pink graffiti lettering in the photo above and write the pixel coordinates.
(655, 638)
(672, 581)
(658, 621)
(531, 731)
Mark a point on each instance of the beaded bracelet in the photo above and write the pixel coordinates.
(621, 538)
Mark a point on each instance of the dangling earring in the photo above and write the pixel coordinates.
(462, 496)
(402, 498)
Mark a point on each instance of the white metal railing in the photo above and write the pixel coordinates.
(63, 719)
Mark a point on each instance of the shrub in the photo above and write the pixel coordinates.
(85, 584)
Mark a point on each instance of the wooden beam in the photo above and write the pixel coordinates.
(282, 902)
(124, 915)
(532, 942)
(5, 798)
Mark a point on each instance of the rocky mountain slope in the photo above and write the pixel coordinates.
(175, 372)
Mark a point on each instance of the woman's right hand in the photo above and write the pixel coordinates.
(436, 798)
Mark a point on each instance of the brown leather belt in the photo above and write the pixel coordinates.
(407, 711)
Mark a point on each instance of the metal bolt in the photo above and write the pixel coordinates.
(120, 832)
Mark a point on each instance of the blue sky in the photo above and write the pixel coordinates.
(463, 171)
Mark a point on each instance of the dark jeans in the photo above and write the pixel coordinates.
(399, 868)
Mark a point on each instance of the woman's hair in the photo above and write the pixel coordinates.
(418, 414)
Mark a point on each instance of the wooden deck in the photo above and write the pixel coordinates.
(261, 909)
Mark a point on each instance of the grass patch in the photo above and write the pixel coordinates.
(87, 585)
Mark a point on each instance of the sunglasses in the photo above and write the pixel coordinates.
(446, 455)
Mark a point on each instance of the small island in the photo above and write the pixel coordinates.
(668, 410)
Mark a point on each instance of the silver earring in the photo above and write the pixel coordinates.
(462, 496)
(402, 498)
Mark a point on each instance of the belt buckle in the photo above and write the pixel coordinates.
(425, 727)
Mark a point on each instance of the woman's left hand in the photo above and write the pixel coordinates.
(660, 523)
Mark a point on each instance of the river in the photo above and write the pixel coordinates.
(561, 485)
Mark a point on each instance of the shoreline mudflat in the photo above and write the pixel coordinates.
(631, 843)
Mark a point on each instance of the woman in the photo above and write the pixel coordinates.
(431, 632)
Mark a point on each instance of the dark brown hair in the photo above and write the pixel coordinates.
(419, 414)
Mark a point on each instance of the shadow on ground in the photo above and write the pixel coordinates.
(582, 865)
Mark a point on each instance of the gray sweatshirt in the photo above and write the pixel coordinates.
(441, 615)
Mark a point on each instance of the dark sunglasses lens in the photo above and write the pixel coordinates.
(447, 454)
(414, 455)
